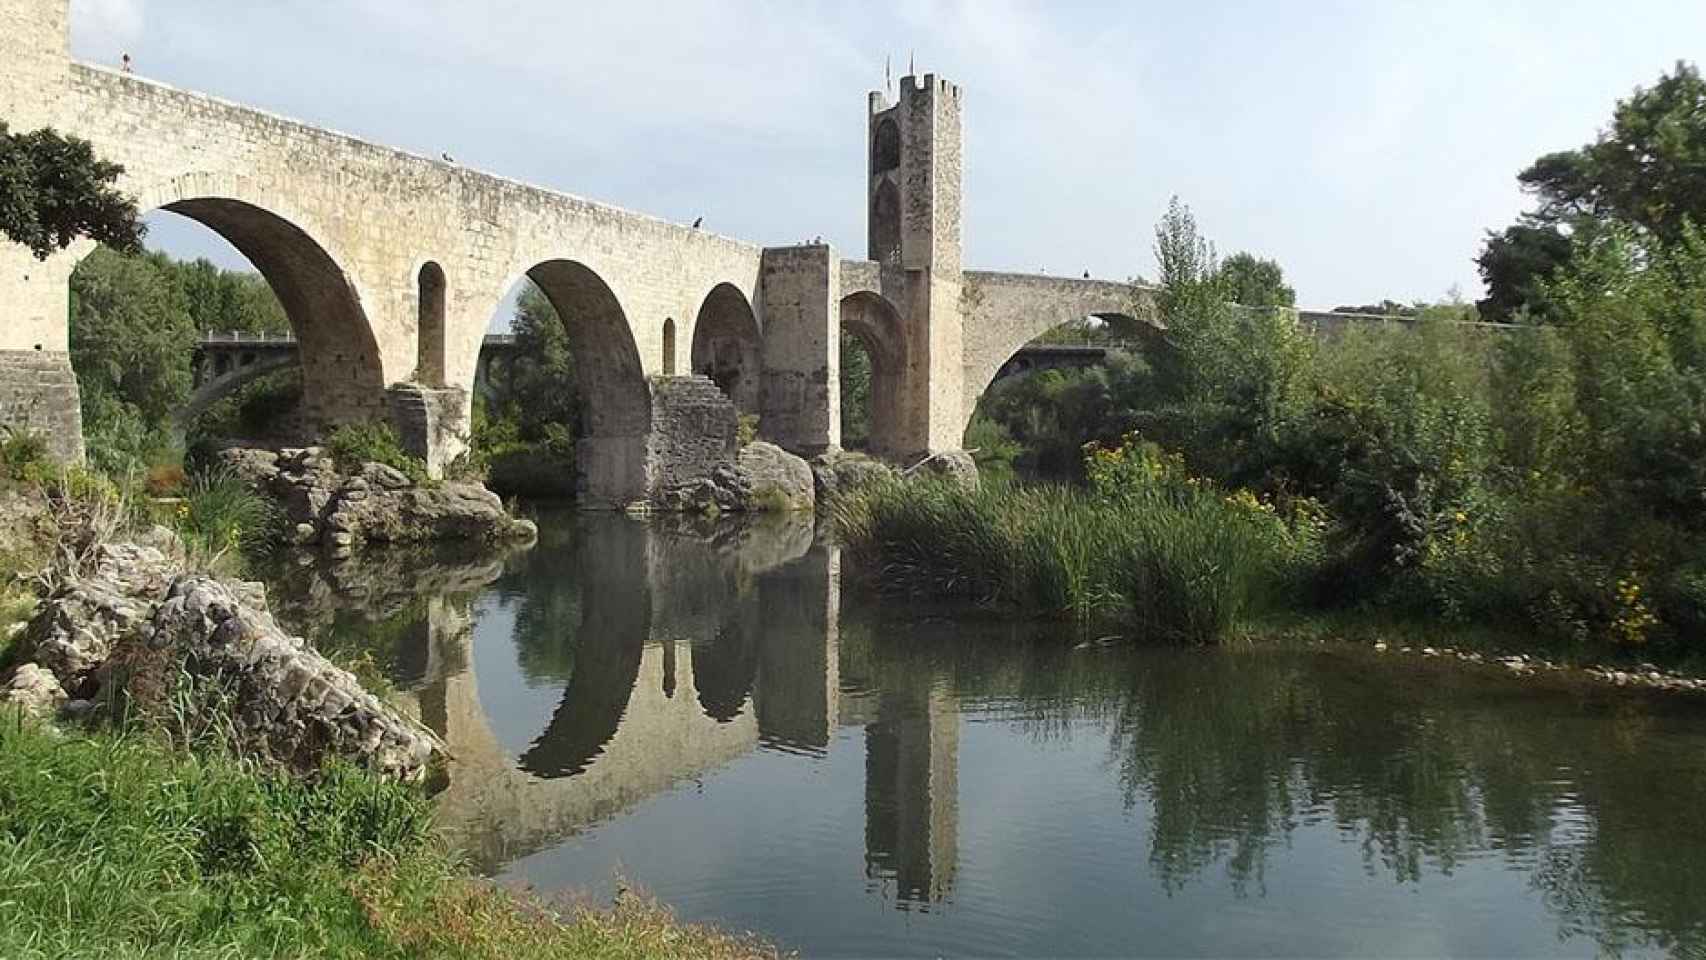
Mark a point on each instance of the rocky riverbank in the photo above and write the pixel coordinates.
(338, 509)
(128, 629)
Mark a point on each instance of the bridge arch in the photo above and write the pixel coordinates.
(344, 375)
(615, 400)
(726, 345)
(877, 324)
(429, 327)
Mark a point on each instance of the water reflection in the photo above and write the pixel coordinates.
(693, 701)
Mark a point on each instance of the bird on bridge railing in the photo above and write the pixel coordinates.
(447, 158)
(697, 221)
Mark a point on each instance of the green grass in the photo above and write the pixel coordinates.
(118, 846)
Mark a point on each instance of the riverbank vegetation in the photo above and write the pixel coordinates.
(116, 845)
(1547, 475)
(143, 834)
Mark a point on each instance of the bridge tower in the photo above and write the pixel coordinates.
(38, 391)
(913, 202)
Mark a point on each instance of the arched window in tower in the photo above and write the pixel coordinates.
(885, 146)
(669, 346)
(885, 222)
(429, 362)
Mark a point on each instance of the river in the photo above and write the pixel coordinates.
(701, 711)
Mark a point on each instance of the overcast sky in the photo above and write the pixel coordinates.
(1366, 146)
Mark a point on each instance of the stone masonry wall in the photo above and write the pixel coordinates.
(38, 393)
(800, 394)
(693, 433)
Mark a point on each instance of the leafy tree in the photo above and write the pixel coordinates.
(543, 398)
(131, 335)
(1515, 264)
(54, 190)
(1648, 169)
(1254, 282)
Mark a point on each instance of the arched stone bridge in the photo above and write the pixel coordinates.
(390, 265)
(222, 363)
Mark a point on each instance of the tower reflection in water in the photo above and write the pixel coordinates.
(675, 651)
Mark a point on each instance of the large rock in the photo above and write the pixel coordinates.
(379, 503)
(32, 691)
(841, 471)
(77, 630)
(774, 479)
(135, 622)
(956, 465)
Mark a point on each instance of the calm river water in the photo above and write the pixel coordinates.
(704, 712)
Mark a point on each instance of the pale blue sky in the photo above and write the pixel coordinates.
(1366, 146)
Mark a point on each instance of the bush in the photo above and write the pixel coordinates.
(1171, 553)
(353, 445)
(223, 514)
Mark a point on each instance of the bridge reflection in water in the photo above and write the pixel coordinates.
(622, 660)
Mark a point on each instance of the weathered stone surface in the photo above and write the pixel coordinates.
(38, 394)
(136, 607)
(338, 510)
(840, 471)
(77, 630)
(33, 691)
(956, 465)
(774, 479)
(290, 700)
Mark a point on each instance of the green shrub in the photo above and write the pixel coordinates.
(353, 445)
(746, 429)
(22, 453)
(1171, 553)
(222, 514)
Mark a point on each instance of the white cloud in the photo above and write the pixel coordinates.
(112, 25)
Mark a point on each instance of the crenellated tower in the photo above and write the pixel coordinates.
(913, 203)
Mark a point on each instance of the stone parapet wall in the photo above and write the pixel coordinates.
(38, 393)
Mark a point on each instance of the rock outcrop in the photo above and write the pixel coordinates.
(134, 624)
(323, 505)
(764, 478)
(774, 479)
(956, 465)
(840, 471)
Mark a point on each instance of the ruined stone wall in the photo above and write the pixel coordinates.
(38, 394)
(693, 433)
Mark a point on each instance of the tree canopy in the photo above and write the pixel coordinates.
(1645, 172)
(53, 190)
(1254, 282)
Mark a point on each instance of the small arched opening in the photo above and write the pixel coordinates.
(726, 346)
(885, 223)
(873, 361)
(885, 146)
(669, 346)
(429, 364)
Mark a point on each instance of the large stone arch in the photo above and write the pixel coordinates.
(1004, 312)
(727, 346)
(343, 370)
(616, 401)
(878, 325)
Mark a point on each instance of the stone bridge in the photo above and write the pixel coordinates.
(222, 363)
(389, 267)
